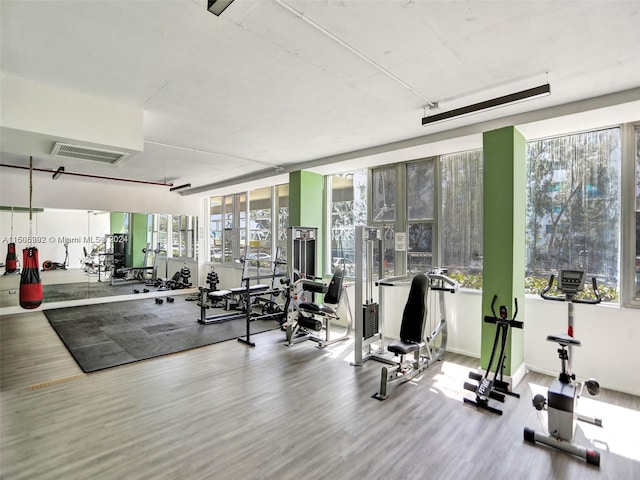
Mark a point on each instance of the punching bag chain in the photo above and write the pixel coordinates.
(30, 194)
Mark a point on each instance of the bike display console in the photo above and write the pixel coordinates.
(571, 281)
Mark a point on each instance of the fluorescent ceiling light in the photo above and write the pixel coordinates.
(218, 6)
(180, 187)
(528, 94)
(58, 172)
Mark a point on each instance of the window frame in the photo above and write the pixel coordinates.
(630, 172)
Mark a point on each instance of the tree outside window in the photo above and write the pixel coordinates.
(573, 206)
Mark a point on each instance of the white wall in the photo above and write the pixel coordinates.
(50, 229)
(81, 193)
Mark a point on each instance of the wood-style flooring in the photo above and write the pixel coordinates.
(229, 411)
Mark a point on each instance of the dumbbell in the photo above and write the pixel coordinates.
(159, 301)
(170, 299)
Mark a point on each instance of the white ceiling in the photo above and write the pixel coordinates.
(283, 84)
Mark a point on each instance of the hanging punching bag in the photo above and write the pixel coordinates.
(30, 284)
(11, 263)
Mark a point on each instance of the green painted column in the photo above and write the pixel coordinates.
(306, 200)
(138, 238)
(503, 238)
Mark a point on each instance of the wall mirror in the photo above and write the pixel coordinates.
(90, 254)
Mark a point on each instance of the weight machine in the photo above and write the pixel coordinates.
(563, 393)
(426, 350)
(305, 317)
(369, 324)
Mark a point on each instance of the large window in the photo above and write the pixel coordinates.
(183, 233)
(245, 224)
(461, 220)
(573, 206)
(348, 203)
(420, 215)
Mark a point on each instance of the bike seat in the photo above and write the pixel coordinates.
(564, 340)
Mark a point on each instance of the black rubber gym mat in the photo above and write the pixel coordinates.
(61, 292)
(112, 334)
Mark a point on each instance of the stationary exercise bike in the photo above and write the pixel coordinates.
(494, 388)
(563, 393)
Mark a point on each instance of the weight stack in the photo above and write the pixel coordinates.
(370, 319)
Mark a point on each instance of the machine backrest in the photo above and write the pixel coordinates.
(334, 292)
(415, 311)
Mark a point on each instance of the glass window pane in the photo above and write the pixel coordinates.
(215, 228)
(163, 235)
(282, 194)
(228, 234)
(420, 247)
(389, 245)
(348, 209)
(461, 224)
(260, 226)
(384, 194)
(241, 231)
(420, 190)
(573, 206)
(175, 236)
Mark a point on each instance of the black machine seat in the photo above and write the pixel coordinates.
(317, 309)
(332, 297)
(564, 340)
(413, 318)
(402, 348)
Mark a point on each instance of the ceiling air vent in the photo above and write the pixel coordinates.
(66, 150)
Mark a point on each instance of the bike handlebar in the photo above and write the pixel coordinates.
(570, 297)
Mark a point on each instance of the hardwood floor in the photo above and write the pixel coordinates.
(228, 411)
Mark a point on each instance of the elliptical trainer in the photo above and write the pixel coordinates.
(494, 389)
(563, 393)
(50, 265)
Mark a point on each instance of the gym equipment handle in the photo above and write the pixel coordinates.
(493, 310)
(544, 291)
(564, 298)
(511, 323)
(594, 301)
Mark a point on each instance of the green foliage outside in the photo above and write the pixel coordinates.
(534, 286)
